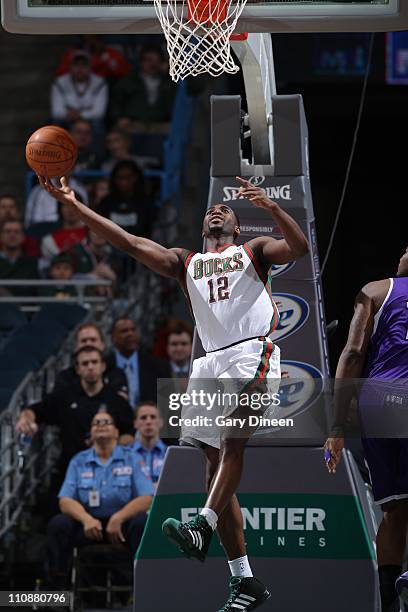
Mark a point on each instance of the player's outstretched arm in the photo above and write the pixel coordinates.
(167, 262)
(294, 243)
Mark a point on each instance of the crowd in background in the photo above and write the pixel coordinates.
(118, 113)
(105, 405)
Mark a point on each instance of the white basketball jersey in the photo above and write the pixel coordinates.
(230, 297)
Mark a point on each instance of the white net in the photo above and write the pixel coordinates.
(198, 35)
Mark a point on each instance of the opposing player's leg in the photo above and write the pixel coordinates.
(387, 460)
(391, 542)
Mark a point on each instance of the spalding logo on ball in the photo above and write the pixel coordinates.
(51, 151)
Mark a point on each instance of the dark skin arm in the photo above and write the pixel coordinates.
(269, 250)
(167, 262)
(351, 363)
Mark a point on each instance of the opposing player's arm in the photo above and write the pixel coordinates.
(167, 262)
(351, 364)
(350, 367)
(271, 251)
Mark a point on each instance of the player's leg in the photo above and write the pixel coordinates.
(230, 525)
(228, 474)
(246, 592)
(402, 519)
(391, 542)
(193, 537)
(384, 462)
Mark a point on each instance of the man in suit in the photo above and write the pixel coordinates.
(179, 345)
(141, 369)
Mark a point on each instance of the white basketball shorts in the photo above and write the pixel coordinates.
(246, 369)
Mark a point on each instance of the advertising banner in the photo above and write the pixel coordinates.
(301, 525)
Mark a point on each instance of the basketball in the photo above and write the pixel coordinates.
(51, 151)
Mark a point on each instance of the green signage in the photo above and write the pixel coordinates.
(312, 526)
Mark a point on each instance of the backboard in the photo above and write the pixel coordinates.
(138, 16)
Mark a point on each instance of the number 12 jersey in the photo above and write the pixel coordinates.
(230, 296)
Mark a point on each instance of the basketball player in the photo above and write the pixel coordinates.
(377, 349)
(228, 290)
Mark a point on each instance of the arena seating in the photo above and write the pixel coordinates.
(11, 318)
(30, 344)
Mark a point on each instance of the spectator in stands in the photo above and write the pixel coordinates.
(118, 145)
(61, 269)
(41, 207)
(14, 265)
(168, 325)
(179, 345)
(8, 207)
(148, 446)
(81, 132)
(105, 497)
(80, 95)
(127, 203)
(96, 258)
(143, 101)
(99, 190)
(90, 335)
(142, 370)
(9, 211)
(72, 408)
(106, 61)
(71, 231)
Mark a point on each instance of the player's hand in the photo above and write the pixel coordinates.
(65, 194)
(93, 528)
(114, 530)
(256, 195)
(332, 449)
(26, 425)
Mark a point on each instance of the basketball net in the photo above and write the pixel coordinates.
(198, 34)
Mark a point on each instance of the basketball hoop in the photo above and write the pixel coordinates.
(198, 34)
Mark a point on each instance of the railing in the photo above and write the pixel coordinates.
(80, 284)
(24, 467)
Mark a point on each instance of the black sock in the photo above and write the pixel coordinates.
(389, 596)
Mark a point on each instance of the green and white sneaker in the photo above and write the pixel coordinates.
(245, 594)
(192, 538)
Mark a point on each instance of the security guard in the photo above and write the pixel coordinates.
(104, 497)
(148, 447)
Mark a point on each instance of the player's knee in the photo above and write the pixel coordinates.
(396, 513)
(232, 450)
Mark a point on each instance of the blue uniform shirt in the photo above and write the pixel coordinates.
(150, 461)
(116, 482)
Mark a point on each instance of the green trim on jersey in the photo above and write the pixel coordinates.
(267, 283)
(264, 364)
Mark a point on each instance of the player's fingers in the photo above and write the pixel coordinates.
(64, 182)
(243, 181)
(41, 181)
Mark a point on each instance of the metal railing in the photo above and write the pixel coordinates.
(24, 467)
(81, 284)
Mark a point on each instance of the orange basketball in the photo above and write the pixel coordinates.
(51, 151)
